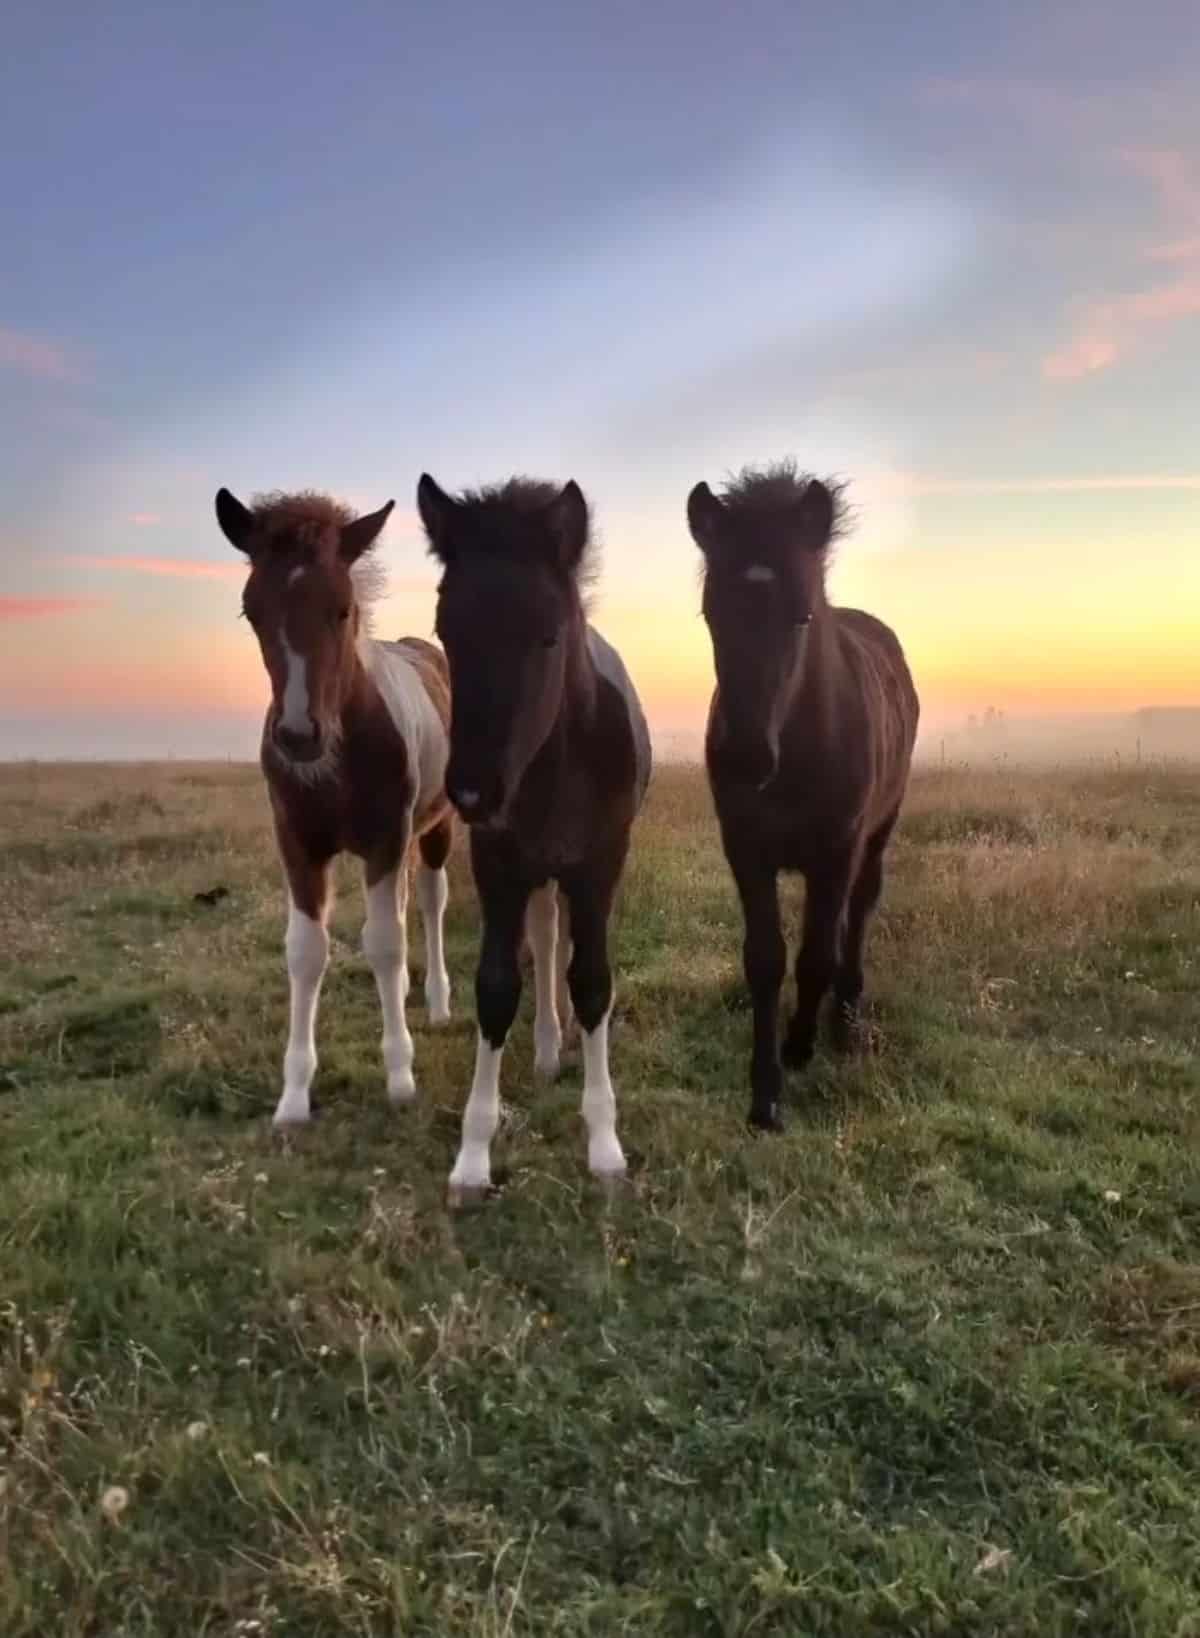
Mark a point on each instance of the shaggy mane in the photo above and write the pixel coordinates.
(308, 518)
(518, 498)
(778, 487)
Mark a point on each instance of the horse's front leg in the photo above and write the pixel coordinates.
(764, 957)
(307, 948)
(385, 945)
(497, 996)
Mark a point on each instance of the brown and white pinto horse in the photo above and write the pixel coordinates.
(354, 751)
(549, 762)
(810, 736)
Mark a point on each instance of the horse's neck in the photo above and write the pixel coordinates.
(815, 692)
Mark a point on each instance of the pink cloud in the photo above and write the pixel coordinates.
(1112, 328)
(179, 567)
(145, 520)
(34, 356)
(34, 608)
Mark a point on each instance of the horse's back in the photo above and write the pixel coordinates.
(611, 668)
(413, 680)
(874, 658)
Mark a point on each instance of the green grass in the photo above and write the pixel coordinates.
(928, 1364)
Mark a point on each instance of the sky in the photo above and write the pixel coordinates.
(948, 252)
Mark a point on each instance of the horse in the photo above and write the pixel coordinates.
(549, 763)
(354, 749)
(808, 747)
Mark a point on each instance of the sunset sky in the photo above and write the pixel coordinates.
(949, 251)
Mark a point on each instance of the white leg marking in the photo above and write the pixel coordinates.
(294, 715)
(385, 945)
(541, 927)
(432, 893)
(307, 947)
(472, 1169)
(605, 1156)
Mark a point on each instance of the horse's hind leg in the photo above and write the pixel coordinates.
(589, 895)
(818, 959)
(848, 982)
(385, 945)
(541, 927)
(432, 893)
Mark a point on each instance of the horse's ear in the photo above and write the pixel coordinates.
(236, 520)
(437, 511)
(704, 515)
(816, 513)
(567, 516)
(363, 532)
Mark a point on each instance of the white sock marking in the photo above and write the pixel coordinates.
(432, 893)
(385, 945)
(472, 1169)
(541, 927)
(605, 1156)
(294, 715)
(307, 947)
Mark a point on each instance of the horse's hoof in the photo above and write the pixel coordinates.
(469, 1196)
(765, 1120)
(401, 1091)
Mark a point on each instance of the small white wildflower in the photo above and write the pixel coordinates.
(243, 1363)
(114, 1501)
(324, 1351)
(197, 1431)
(380, 1171)
(261, 1177)
(1112, 1196)
(261, 1459)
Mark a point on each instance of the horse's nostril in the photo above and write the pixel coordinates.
(468, 799)
(297, 744)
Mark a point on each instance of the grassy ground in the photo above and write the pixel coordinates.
(929, 1363)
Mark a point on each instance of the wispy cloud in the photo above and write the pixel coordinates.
(145, 520)
(37, 608)
(182, 568)
(919, 484)
(35, 356)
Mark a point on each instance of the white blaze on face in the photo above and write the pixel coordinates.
(294, 714)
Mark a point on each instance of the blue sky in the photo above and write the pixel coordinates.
(297, 245)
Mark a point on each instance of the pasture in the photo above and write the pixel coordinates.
(929, 1362)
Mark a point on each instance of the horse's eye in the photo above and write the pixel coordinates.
(549, 638)
(343, 615)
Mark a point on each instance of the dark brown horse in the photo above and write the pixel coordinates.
(354, 752)
(549, 761)
(810, 736)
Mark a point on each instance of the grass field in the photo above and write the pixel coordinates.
(930, 1363)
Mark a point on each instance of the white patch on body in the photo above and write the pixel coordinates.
(473, 1167)
(432, 893)
(385, 945)
(294, 715)
(307, 947)
(296, 574)
(541, 928)
(413, 713)
(760, 572)
(605, 1155)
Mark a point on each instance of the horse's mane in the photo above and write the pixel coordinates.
(777, 488)
(498, 506)
(310, 520)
